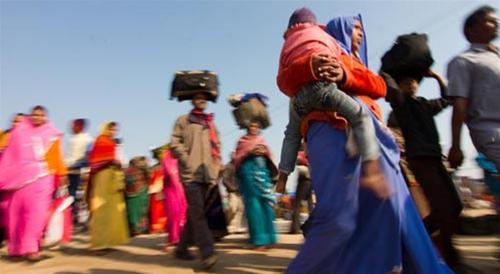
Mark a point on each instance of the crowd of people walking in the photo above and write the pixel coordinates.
(363, 218)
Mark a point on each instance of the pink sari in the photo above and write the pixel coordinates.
(27, 186)
(175, 200)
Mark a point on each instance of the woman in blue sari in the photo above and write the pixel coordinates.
(352, 230)
(255, 169)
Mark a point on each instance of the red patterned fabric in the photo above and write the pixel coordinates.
(200, 117)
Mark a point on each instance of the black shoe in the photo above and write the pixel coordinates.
(209, 262)
(185, 255)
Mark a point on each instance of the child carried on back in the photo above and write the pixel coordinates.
(305, 37)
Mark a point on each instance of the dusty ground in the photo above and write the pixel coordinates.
(144, 255)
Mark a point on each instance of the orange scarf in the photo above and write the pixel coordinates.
(104, 150)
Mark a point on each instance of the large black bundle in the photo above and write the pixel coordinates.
(409, 56)
(188, 83)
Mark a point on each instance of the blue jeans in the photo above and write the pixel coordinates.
(326, 96)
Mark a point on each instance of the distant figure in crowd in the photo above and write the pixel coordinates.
(4, 139)
(235, 213)
(5, 135)
(157, 218)
(108, 213)
(136, 192)
(77, 155)
(175, 199)
(255, 170)
(30, 164)
(303, 190)
(474, 82)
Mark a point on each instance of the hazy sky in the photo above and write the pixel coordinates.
(115, 60)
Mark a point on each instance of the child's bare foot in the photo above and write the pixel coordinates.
(373, 179)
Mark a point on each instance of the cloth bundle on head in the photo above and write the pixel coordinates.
(341, 28)
(237, 99)
(302, 15)
(250, 108)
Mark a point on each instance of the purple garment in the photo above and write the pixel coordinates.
(352, 231)
(302, 15)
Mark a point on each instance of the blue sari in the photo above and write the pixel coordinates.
(352, 230)
(257, 189)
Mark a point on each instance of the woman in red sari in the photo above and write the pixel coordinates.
(157, 218)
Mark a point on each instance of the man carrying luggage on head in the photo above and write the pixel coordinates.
(195, 143)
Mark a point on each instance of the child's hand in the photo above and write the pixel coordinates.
(327, 68)
(281, 184)
(373, 179)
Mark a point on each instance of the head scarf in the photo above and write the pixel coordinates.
(104, 149)
(341, 29)
(24, 159)
(104, 128)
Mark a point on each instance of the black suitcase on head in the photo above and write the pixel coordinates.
(410, 56)
(188, 83)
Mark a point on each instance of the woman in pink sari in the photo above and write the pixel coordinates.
(28, 168)
(175, 200)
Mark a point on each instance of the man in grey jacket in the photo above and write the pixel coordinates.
(195, 143)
